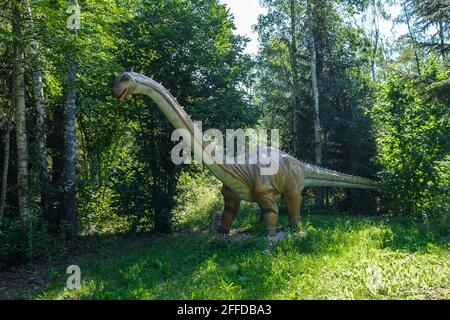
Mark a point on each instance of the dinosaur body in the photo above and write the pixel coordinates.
(244, 181)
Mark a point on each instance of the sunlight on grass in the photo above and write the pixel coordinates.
(339, 258)
(197, 200)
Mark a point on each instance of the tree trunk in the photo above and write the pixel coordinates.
(18, 89)
(377, 36)
(295, 80)
(57, 145)
(4, 186)
(442, 39)
(38, 89)
(411, 36)
(20, 118)
(315, 88)
(70, 142)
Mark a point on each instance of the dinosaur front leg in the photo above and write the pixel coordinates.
(269, 211)
(231, 207)
(293, 202)
(270, 220)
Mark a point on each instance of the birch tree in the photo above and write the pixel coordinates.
(70, 134)
(315, 87)
(295, 76)
(18, 84)
(38, 90)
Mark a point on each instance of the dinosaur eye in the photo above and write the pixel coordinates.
(126, 77)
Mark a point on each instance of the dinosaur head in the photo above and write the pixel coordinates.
(125, 86)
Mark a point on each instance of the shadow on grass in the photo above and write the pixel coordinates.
(415, 236)
(189, 266)
(201, 265)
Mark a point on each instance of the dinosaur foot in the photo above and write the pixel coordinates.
(297, 232)
(273, 239)
(281, 235)
(224, 235)
(217, 222)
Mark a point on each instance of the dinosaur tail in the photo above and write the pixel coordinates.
(319, 177)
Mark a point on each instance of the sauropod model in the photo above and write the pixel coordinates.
(244, 182)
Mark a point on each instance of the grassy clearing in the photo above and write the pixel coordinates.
(341, 257)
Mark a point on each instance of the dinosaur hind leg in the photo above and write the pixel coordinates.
(293, 203)
(231, 207)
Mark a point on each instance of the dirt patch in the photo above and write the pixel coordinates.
(25, 281)
(19, 282)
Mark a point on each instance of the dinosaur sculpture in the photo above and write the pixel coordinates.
(244, 181)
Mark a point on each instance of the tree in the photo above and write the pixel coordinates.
(70, 143)
(376, 37)
(70, 134)
(5, 166)
(412, 125)
(191, 48)
(280, 34)
(429, 14)
(295, 76)
(342, 68)
(411, 36)
(315, 88)
(41, 113)
(18, 94)
(18, 89)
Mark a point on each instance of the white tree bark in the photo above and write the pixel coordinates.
(295, 77)
(20, 118)
(70, 149)
(377, 36)
(315, 87)
(38, 90)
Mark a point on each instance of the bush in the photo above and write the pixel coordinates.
(413, 147)
(198, 197)
(16, 246)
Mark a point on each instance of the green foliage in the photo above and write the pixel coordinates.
(14, 239)
(99, 215)
(412, 127)
(191, 49)
(345, 91)
(126, 183)
(198, 197)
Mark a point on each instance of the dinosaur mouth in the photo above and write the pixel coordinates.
(123, 95)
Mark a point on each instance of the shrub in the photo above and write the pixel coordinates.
(413, 145)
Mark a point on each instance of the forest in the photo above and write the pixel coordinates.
(87, 180)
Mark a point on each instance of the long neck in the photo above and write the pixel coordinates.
(181, 120)
(168, 105)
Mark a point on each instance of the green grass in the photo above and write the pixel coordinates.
(341, 257)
